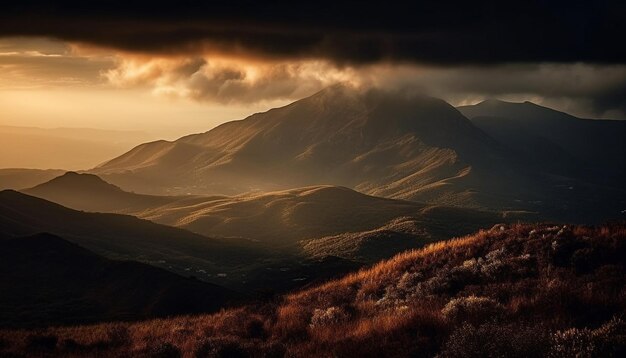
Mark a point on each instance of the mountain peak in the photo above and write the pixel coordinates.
(76, 181)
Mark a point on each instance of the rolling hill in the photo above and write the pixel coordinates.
(127, 237)
(237, 263)
(46, 280)
(281, 218)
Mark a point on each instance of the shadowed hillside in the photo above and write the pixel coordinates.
(514, 291)
(556, 142)
(237, 263)
(46, 280)
(125, 237)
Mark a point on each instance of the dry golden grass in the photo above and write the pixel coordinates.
(541, 290)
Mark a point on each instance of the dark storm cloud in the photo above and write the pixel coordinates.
(435, 32)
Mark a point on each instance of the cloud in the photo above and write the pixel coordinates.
(227, 80)
(38, 63)
(424, 32)
(582, 89)
(588, 90)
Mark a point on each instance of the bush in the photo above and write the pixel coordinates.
(609, 340)
(328, 316)
(495, 340)
(472, 309)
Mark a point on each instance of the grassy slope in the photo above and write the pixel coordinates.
(539, 289)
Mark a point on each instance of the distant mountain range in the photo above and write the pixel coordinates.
(555, 142)
(397, 146)
(46, 280)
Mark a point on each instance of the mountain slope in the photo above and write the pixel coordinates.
(380, 143)
(280, 218)
(511, 291)
(556, 142)
(125, 237)
(46, 280)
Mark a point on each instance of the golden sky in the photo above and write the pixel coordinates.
(51, 83)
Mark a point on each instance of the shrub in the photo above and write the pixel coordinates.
(609, 340)
(328, 316)
(472, 309)
(495, 340)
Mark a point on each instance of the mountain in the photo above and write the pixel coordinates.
(510, 291)
(386, 144)
(280, 218)
(17, 179)
(379, 143)
(46, 280)
(127, 237)
(90, 193)
(556, 142)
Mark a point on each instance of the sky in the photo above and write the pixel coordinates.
(173, 68)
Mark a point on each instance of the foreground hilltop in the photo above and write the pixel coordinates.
(541, 289)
